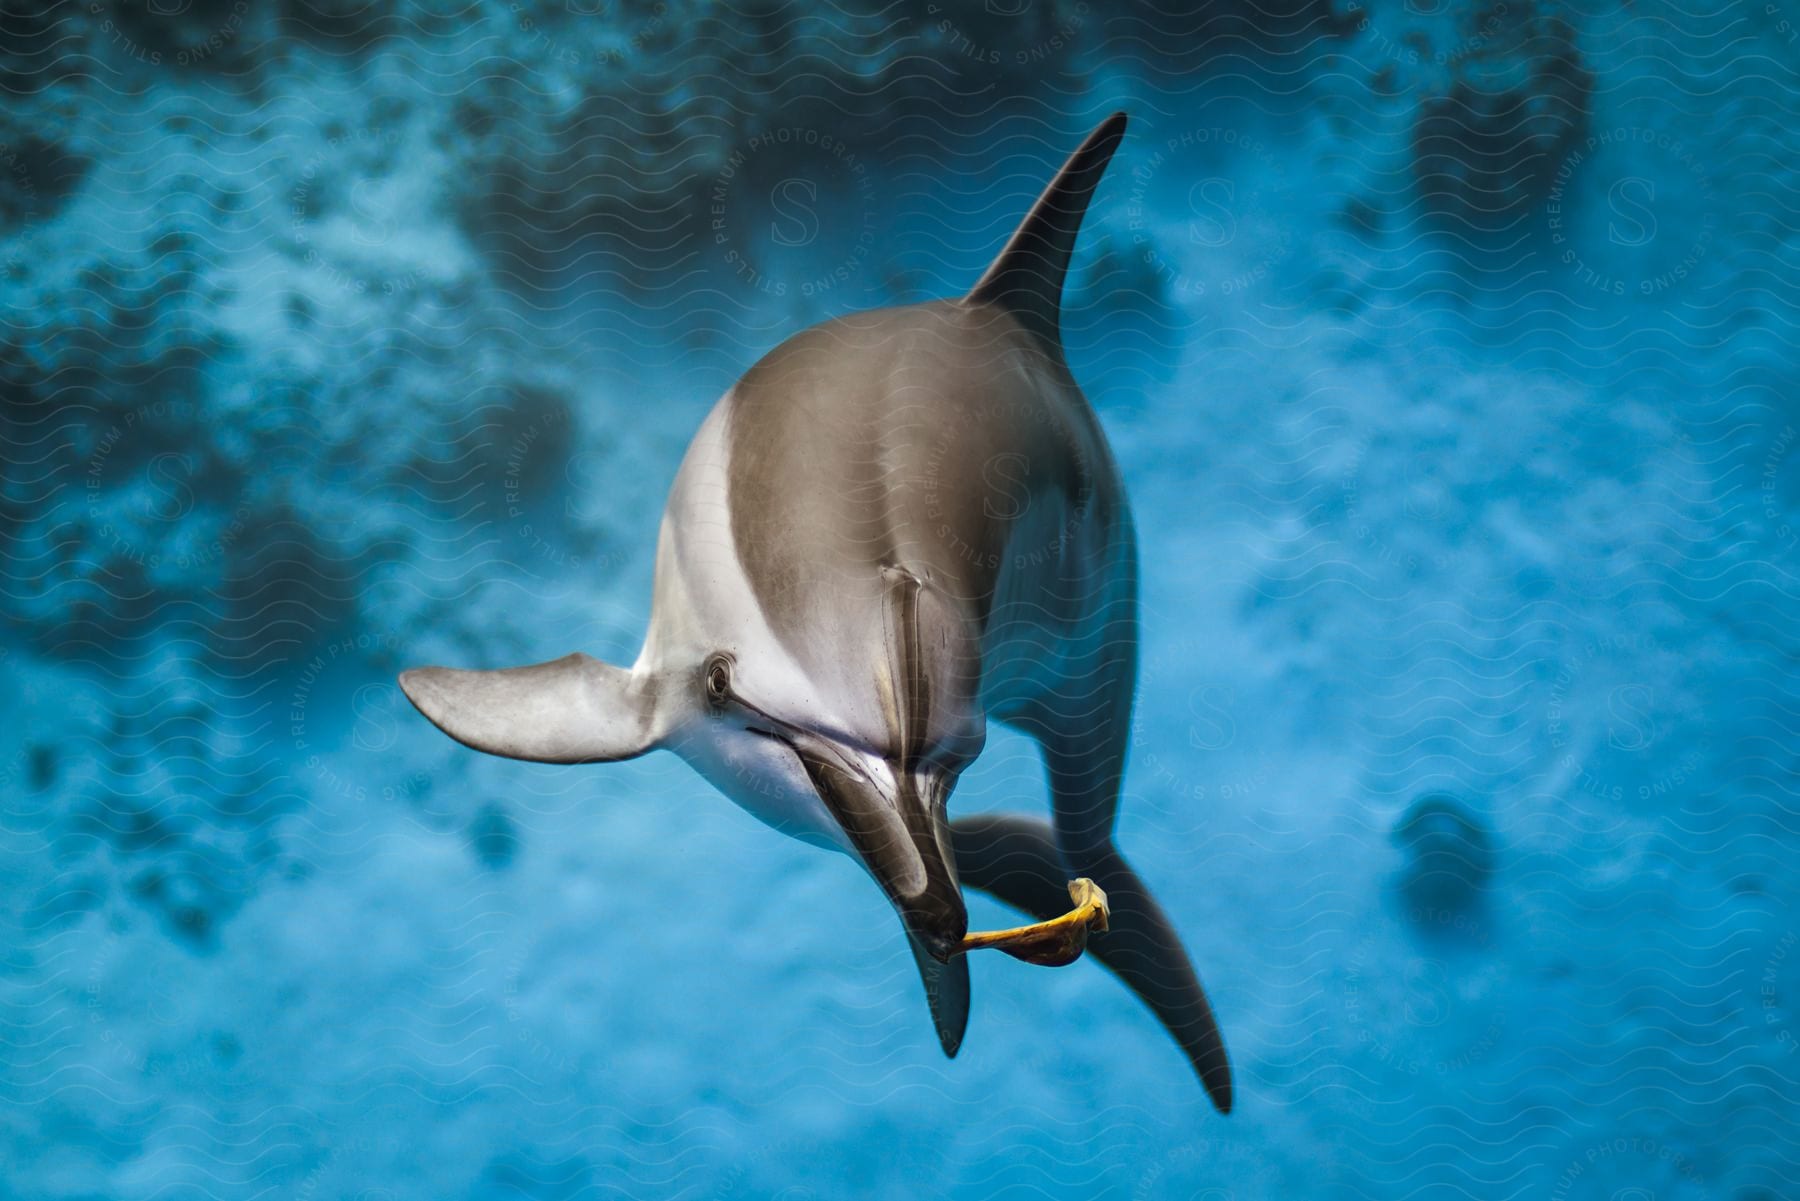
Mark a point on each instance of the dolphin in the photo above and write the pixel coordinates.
(897, 526)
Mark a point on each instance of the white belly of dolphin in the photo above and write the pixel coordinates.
(704, 603)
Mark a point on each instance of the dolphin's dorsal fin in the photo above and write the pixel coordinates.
(1027, 278)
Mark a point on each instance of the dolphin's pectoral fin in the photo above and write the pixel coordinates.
(575, 709)
(947, 992)
(1016, 860)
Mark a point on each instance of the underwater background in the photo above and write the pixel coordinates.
(1448, 351)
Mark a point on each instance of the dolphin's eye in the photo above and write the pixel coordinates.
(718, 680)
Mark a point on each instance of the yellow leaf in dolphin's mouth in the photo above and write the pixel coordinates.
(1053, 943)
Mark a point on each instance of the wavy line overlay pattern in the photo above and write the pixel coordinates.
(1447, 350)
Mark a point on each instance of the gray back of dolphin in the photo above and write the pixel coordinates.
(911, 519)
(917, 452)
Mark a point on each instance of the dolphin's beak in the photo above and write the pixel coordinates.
(896, 821)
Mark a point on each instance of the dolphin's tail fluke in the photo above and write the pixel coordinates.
(947, 992)
(1027, 278)
(1015, 859)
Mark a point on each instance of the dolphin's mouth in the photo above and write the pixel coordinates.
(901, 835)
(900, 832)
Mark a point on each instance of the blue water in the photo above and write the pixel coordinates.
(1448, 353)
